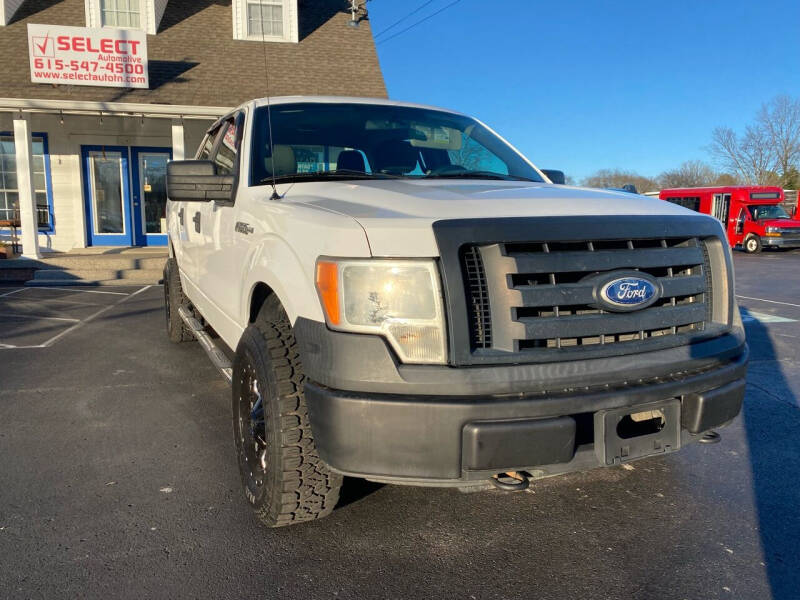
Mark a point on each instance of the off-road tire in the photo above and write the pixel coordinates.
(752, 244)
(296, 485)
(173, 298)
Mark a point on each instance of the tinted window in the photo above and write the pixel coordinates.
(690, 202)
(208, 145)
(369, 140)
(225, 158)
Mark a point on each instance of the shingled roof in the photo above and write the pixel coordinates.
(194, 59)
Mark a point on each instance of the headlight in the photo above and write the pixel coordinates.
(773, 231)
(398, 299)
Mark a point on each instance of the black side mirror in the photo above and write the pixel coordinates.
(197, 181)
(555, 176)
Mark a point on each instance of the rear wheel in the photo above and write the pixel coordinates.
(174, 298)
(283, 477)
(752, 244)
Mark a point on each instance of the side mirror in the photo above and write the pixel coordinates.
(555, 176)
(197, 181)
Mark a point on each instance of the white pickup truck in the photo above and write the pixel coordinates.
(398, 294)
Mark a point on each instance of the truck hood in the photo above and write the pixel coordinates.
(397, 215)
(784, 223)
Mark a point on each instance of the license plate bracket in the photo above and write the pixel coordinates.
(619, 439)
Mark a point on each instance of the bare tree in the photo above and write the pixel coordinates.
(616, 178)
(692, 173)
(768, 152)
(780, 120)
(749, 156)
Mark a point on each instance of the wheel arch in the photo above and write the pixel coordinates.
(259, 294)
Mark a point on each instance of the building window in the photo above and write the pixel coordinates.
(9, 191)
(120, 13)
(265, 18)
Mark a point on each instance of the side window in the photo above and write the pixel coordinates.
(225, 158)
(208, 145)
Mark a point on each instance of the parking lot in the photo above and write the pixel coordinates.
(118, 479)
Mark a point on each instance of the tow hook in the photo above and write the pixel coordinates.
(512, 481)
(710, 437)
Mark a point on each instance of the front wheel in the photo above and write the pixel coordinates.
(283, 476)
(173, 299)
(752, 244)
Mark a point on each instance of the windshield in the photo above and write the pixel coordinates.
(767, 211)
(314, 141)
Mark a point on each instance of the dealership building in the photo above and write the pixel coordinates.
(97, 95)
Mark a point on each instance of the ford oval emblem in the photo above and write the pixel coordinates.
(628, 293)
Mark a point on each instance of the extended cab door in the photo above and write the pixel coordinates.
(188, 219)
(220, 261)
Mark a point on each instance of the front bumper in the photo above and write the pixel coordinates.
(781, 242)
(410, 435)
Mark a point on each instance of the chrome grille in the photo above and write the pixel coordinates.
(534, 297)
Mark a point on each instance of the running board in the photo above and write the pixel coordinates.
(217, 356)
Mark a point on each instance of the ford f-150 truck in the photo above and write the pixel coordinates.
(397, 294)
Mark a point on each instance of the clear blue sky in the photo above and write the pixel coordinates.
(588, 84)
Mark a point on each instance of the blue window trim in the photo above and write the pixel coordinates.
(48, 181)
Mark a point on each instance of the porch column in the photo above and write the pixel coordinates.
(178, 142)
(29, 222)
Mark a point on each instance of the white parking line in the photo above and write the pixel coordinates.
(14, 316)
(55, 300)
(79, 323)
(91, 317)
(748, 316)
(770, 301)
(75, 289)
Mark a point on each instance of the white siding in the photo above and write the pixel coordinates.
(159, 6)
(152, 11)
(7, 10)
(66, 170)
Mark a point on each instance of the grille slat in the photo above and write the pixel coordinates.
(602, 260)
(577, 326)
(539, 297)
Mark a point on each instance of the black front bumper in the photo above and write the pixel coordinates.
(461, 440)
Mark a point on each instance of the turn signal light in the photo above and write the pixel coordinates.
(328, 287)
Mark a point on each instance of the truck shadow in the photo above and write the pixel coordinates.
(354, 490)
(771, 422)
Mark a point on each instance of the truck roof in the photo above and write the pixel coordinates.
(274, 100)
(726, 188)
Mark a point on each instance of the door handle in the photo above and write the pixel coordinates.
(180, 217)
(196, 220)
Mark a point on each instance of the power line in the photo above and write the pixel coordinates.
(411, 14)
(430, 16)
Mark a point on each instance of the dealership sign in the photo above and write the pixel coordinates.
(84, 56)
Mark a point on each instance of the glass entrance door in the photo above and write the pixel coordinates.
(149, 188)
(108, 214)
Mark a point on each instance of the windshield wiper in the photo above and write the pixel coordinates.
(477, 175)
(338, 175)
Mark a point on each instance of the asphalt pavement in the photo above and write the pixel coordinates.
(118, 480)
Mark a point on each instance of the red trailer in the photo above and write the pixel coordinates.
(752, 215)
